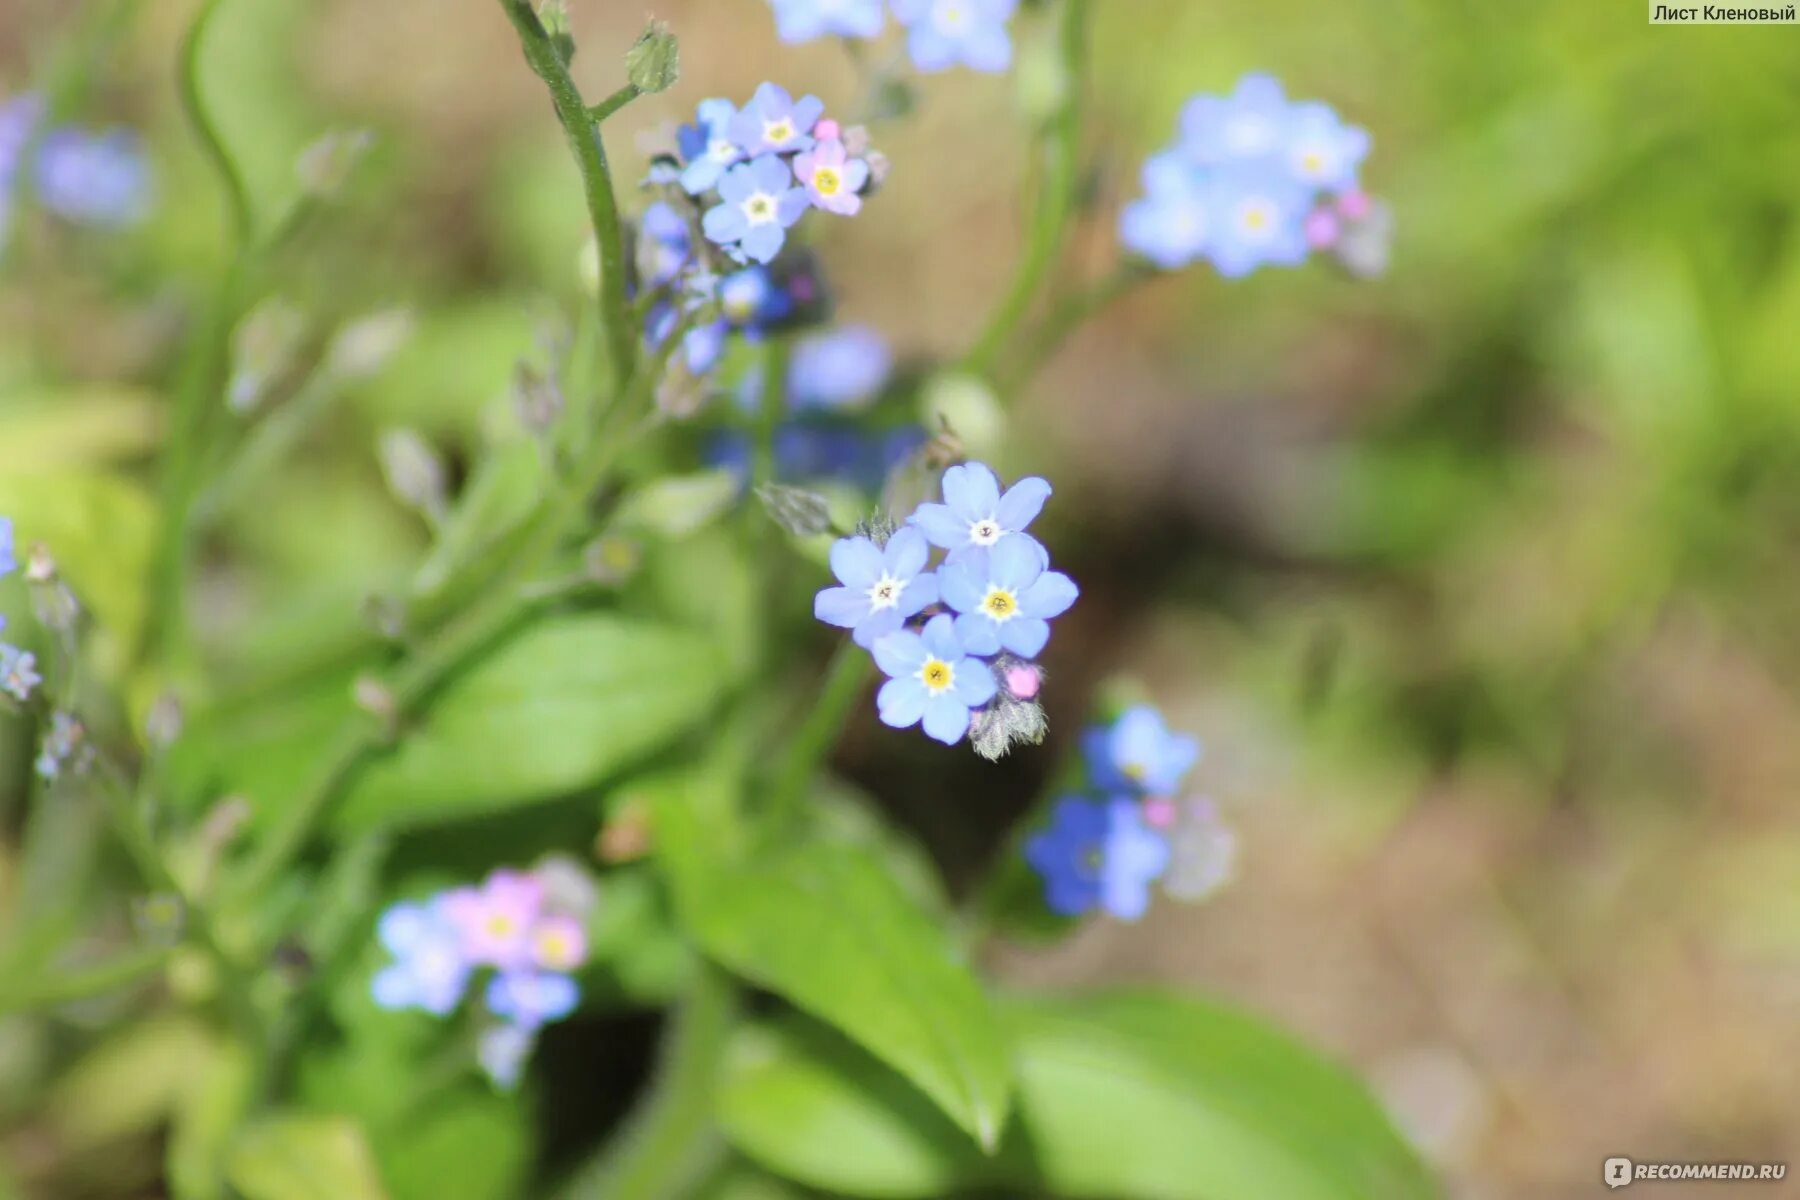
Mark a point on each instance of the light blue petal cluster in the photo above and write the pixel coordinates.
(804, 20)
(1248, 183)
(1139, 753)
(1098, 855)
(994, 578)
(941, 34)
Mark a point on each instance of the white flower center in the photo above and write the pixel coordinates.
(937, 675)
(885, 593)
(721, 149)
(759, 208)
(985, 532)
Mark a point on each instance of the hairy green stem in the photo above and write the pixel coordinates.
(614, 102)
(1059, 153)
(668, 1144)
(589, 150)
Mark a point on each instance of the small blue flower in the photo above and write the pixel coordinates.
(701, 347)
(8, 561)
(93, 179)
(1322, 151)
(1172, 223)
(1098, 856)
(882, 587)
(706, 145)
(664, 247)
(943, 33)
(530, 999)
(65, 745)
(1260, 219)
(759, 202)
(430, 969)
(775, 123)
(18, 672)
(803, 20)
(502, 1050)
(934, 680)
(974, 513)
(1249, 126)
(1005, 597)
(750, 298)
(838, 369)
(1137, 752)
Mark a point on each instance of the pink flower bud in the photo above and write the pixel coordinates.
(1321, 229)
(827, 130)
(1354, 204)
(1023, 681)
(1159, 812)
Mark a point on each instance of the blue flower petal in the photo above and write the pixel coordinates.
(946, 718)
(1025, 636)
(856, 561)
(840, 606)
(1050, 596)
(941, 525)
(971, 491)
(1023, 501)
(899, 654)
(901, 702)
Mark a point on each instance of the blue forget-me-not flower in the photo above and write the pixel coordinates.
(974, 513)
(758, 203)
(1004, 597)
(881, 586)
(941, 34)
(1138, 752)
(430, 967)
(1098, 855)
(933, 680)
(803, 20)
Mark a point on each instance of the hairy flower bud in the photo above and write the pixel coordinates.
(653, 63)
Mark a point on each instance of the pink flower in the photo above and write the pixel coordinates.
(496, 920)
(1354, 204)
(558, 943)
(827, 130)
(1159, 812)
(1321, 228)
(1023, 681)
(831, 177)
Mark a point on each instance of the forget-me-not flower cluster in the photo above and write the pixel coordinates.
(18, 668)
(516, 929)
(940, 34)
(1106, 848)
(1253, 179)
(985, 608)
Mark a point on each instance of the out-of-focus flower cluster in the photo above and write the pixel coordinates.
(958, 642)
(1133, 827)
(1254, 179)
(940, 34)
(18, 668)
(519, 934)
(86, 177)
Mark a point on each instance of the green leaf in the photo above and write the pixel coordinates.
(827, 927)
(304, 1156)
(561, 706)
(1127, 1096)
(1147, 1096)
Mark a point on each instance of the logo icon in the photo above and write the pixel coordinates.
(1617, 1172)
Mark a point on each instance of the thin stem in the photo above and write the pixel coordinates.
(79, 983)
(614, 102)
(771, 409)
(585, 143)
(1069, 315)
(668, 1144)
(237, 196)
(843, 685)
(1059, 151)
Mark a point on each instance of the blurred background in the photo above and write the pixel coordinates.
(1480, 581)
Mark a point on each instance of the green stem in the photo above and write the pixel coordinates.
(1060, 152)
(585, 143)
(614, 102)
(668, 1144)
(843, 686)
(237, 196)
(771, 408)
(79, 983)
(1070, 314)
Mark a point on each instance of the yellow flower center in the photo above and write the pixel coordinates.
(1135, 770)
(1000, 604)
(500, 925)
(1256, 218)
(937, 675)
(1312, 162)
(777, 132)
(827, 181)
(553, 947)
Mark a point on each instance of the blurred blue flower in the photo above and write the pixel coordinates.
(933, 680)
(64, 745)
(751, 298)
(838, 369)
(701, 347)
(93, 179)
(18, 672)
(1172, 223)
(706, 145)
(943, 33)
(803, 20)
(502, 1050)
(8, 560)
(974, 513)
(759, 202)
(775, 123)
(1004, 596)
(882, 586)
(1137, 752)
(532, 998)
(664, 245)
(1098, 855)
(430, 969)
(1250, 125)
(1260, 219)
(1322, 151)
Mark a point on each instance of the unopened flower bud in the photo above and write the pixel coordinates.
(324, 166)
(611, 559)
(414, 472)
(163, 723)
(263, 347)
(537, 399)
(800, 512)
(364, 346)
(39, 566)
(653, 63)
